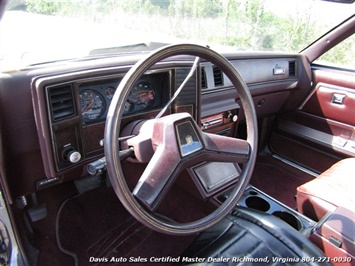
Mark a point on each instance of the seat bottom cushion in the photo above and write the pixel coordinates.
(333, 188)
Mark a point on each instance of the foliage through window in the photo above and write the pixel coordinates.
(342, 55)
(74, 28)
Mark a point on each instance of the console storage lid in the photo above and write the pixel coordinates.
(339, 229)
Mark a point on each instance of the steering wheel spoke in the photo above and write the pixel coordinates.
(157, 177)
(225, 149)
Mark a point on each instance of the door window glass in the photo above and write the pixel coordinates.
(341, 55)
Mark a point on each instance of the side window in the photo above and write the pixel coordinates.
(342, 55)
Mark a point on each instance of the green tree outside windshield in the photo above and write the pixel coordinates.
(242, 24)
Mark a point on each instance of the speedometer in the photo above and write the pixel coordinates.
(92, 105)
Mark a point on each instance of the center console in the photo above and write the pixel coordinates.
(258, 200)
(335, 235)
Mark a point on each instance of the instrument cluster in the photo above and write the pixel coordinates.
(148, 94)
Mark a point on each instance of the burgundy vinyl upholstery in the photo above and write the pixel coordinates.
(335, 187)
(335, 236)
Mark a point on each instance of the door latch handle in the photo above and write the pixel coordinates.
(338, 98)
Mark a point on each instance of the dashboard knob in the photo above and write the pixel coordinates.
(74, 156)
(231, 116)
(234, 118)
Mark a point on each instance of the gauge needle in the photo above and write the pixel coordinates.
(146, 93)
(143, 93)
(88, 107)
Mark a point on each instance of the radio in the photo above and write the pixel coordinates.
(222, 123)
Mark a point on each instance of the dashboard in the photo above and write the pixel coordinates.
(53, 116)
(72, 110)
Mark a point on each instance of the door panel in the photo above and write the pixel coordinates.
(322, 130)
(333, 97)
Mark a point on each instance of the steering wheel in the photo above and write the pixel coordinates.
(175, 142)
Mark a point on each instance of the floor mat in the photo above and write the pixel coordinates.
(120, 238)
(278, 179)
(95, 225)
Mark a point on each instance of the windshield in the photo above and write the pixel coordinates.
(38, 31)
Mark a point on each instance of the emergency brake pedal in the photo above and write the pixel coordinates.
(36, 212)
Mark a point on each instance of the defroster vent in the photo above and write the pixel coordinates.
(61, 102)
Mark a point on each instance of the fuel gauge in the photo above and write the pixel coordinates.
(109, 92)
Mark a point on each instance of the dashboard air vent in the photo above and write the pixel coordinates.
(61, 102)
(203, 79)
(218, 76)
(292, 68)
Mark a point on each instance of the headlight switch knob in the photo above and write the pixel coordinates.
(74, 156)
(71, 155)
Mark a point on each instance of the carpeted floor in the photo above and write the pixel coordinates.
(278, 179)
(44, 230)
(95, 224)
(104, 229)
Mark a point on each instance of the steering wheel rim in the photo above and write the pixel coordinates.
(112, 131)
